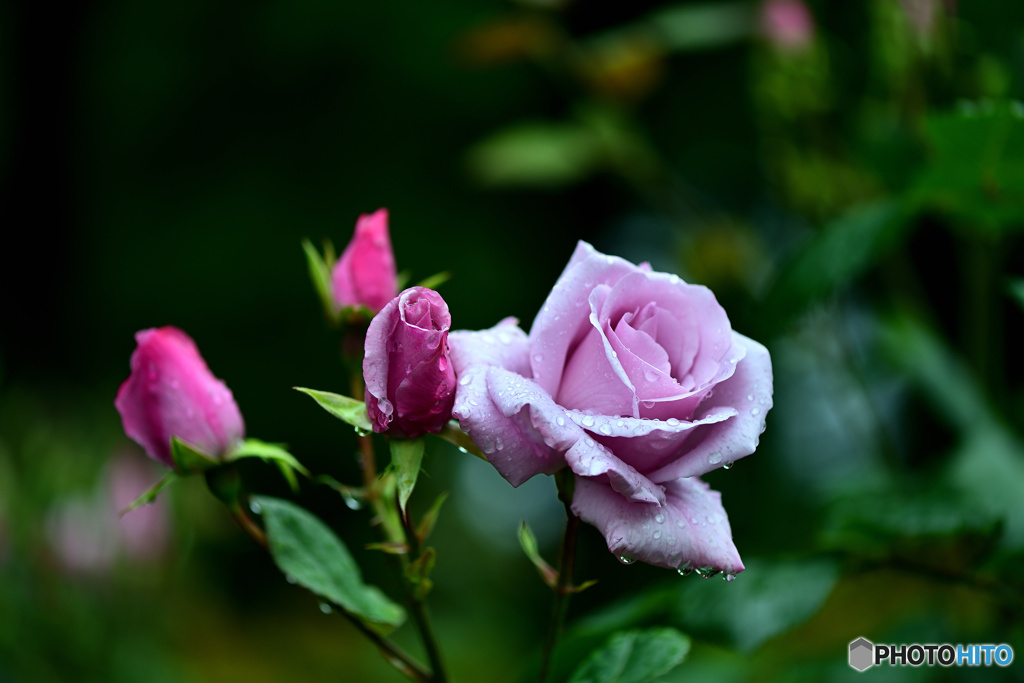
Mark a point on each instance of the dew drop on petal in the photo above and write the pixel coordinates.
(626, 559)
(715, 458)
(659, 518)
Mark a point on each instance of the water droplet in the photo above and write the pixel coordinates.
(685, 569)
(728, 465)
(750, 397)
(650, 374)
(465, 380)
(255, 507)
(499, 444)
(462, 450)
(538, 358)
(672, 422)
(647, 404)
(588, 421)
(442, 363)
(715, 458)
(659, 518)
(365, 432)
(657, 535)
(755, 411)
(729, 577)
(707, 572)
(606, 429)
(325, 608)
(680, 523)
(351, 502)
(626, 559)
(560, 420)
(290, 579)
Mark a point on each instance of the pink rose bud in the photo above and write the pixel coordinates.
(172, 393)
(410, 383)
(365, 274)
(787, 24)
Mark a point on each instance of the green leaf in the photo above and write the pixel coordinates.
(418, 571)
(320, 274)
(306, 550)
(702, 26)
(150, 494)
(1016, 288)
(634, 657)
(536, 154)
(406, 458)
(844, 249)
(342, 407)
(270, 452)
(436, 280)
(977, 165)
(529, 543)
(189, 459)
(429, 519)
(768, 598)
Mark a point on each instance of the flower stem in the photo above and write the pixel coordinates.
(419, 606)
(566, 561)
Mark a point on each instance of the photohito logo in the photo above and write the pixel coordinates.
(864, 654)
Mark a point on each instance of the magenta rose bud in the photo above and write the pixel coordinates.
(634, 380)
(171, 393)
(365, 274)
(410, 383)
(787, 24)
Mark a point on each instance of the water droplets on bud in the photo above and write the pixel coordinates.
(560, 420)
(465, 380)
(729, 577)
(672, 422)
(657, 534)
(499, 444)
(325, 608)
(606, 429)
(685, 569)
(707, 572)
(728, 465)
(750, 397)
(755, 411)
(647, 404)
(715, 458)
(626, 559)
(588, 421)
(659, 518)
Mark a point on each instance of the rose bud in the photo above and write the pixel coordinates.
(787, 24)
(171, 393)
(634, 380)
(365, 274)
(410, 383)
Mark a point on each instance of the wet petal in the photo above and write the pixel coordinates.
(749, 392)
(691, 526)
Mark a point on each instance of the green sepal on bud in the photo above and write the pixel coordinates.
(150, 495)
(190, 460)
(320, 274)
(346, 409)
(274, 453)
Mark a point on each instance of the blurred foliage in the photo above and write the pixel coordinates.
(850, 184)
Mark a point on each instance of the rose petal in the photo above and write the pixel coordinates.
(504, 346)
(691, 527)
(562, 322)
(590, 383)
(749, 390)
(645, 444)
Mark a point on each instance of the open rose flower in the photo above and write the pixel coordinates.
(410, 383)
(365, 275)
(636, 381)
(171, 392)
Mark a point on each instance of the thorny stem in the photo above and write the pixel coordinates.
(419, 607)
(566, 560)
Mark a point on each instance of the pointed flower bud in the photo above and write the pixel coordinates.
(787, 24)
(410, 382)
(365, 274)
(172, 393)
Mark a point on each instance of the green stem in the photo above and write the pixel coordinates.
(419, 607)
(566, 561)
(391, 652)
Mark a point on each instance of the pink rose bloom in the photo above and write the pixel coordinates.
(365, 275)
(634, 380)
(787, 24)
(171, 392)
(410, 383)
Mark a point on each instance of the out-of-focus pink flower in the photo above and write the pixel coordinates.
(365, 275)
(787, 24)
(171, 392)
(636, 381)
(410, 383)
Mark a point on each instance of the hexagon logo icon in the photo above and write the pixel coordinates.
(862, 653)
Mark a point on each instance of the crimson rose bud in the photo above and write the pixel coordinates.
(365, 274)
(410, 383)
(170, 393)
